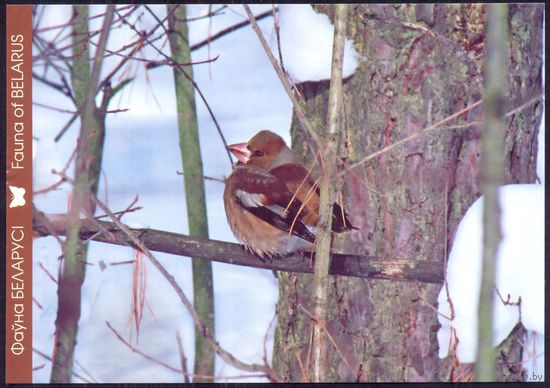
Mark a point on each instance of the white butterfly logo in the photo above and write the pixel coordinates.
(17, 196)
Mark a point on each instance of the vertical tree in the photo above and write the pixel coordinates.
(327, 197)
(492, 170)
(203, 289)
(425, 65)
(85, 82)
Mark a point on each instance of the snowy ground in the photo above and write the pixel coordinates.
(141, 158)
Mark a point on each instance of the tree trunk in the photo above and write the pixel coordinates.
(492, 171)
(195, 197)
(89, 154)
(424, 64)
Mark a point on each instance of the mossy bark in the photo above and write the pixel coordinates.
(203, 289)
(424, 64)
(86, 181)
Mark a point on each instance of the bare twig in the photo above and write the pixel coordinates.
(278, 35)
(301, 366)
(300, 114)
(49, 188)
(190, 79)
(37, 303)
(183, 359)
(441, 126)
(508, 302)
(206, 178)
(60, 110)
(323, 323)
(65, 127)
(45, 356)
(137, 351)
(122, 262)
(47, 272)
(230, 29)
(267, 334)
(328, 195)
(85, 370)
(214, 37)
(128, 209)
(71, 23)
(62, 88)
(417, 134)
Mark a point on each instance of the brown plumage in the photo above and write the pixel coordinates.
(272, 201)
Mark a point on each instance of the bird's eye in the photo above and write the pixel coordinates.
(258, 153)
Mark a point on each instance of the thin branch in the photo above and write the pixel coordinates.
(266, 335)
(137, 351)
(45, 356)
(417, 134)
(61, 180)
(129, 209)
(214, 37)
(71, 23)
(328, 194)
(62, 88)
(170, 62)
(230, 29)
(441, 126)
(85, 370)
(122, 262)
(183, 359)
(300, 114)
(190, 79)
(48, 273)
(37, 303)
(330, 337)
(60, 110)
(278, 35)
(206, 177)
(66, 127)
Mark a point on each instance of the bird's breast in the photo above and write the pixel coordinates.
(257, 235)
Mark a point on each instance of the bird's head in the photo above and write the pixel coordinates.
(266, 150)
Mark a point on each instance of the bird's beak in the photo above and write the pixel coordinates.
(240, 151)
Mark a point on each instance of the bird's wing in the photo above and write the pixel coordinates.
(299, 180)
(264, 195)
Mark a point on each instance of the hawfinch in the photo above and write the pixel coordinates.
(271, 201)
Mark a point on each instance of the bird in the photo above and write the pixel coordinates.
(271, 200)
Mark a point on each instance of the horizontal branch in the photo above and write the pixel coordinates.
(230, 253)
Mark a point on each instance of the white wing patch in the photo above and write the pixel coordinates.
(249, 199)
(256, 200)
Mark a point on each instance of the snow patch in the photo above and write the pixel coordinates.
(520, 271)
(306, 44)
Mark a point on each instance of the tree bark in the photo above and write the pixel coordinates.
(89, 154)
(424, 64)
(195, 197)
